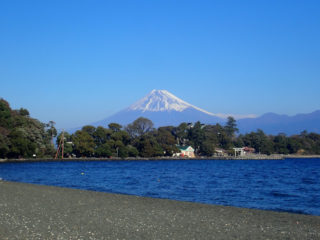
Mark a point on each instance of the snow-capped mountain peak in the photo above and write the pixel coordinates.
(162, 100)
(163, 109)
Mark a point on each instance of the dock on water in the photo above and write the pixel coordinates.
(30, 211)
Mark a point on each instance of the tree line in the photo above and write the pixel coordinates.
(23, 137)
(141, 139)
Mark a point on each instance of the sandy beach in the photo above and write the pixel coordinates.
(30, 211)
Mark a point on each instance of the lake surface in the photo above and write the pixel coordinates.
(291, 185)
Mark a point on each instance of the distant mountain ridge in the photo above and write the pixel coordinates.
(272, 123)
(165, 109)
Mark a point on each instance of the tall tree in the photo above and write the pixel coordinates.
(281, 144)
(24, 112)
(21, 146)
(6, 120)
(101, 135)
(83, 144)
(103, 150)
(148, 146)
(68, 144)
(115, 127)
(89, 129)
(4, 145)
(259, 141)
(51, 130)
(181, 133)
(139, 127)
(231, 127)
(196, 136)
(166, 140)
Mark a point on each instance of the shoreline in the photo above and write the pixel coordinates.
(30, 211)
(249, 157)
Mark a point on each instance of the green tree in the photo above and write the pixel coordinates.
(166, 140)
(181, 133)
(196, 136)
(259, 141)
(83, 144)
(20, 146)
(101, 135)
(4, 145)
(293, 144)
(217, 136)
(51, 130)
(281, 144)
(224, 140)
(132, 151)
(6, 120)
(123, 152)
(115, 127)
(103, 150)
(122, 136)
(313, 140)
(139, 127)
(207, 148)
(21, 135)
(231, 127)
(67, 143)
(89, 129)
(24, 112)
(148, 146)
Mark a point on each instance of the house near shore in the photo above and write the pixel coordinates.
(243, 151)
(219, 152)
(185, 151)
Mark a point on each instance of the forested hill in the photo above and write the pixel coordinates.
(141, 139)
(22, 136)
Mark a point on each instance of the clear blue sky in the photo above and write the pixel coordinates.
(76, 62)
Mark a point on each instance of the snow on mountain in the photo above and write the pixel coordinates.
(162, 100)
(163, 108)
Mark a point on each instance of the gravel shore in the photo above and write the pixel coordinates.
(30, 211)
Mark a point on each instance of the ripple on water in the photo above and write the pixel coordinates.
(289, 185)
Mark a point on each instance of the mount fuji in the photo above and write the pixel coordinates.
(163, 109)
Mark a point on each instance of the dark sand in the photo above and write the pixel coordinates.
(40, 212)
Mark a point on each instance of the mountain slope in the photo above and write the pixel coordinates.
(161, 101)
(163, 109)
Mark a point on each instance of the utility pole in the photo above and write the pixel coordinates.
(61, 146)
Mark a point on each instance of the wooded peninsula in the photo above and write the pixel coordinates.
(24, 137)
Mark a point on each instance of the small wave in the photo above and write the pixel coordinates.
(308, 180)
(151, 194)
(246, 184)
(291, 210)
(280, 194)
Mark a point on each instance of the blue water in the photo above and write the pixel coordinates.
(291, 185)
